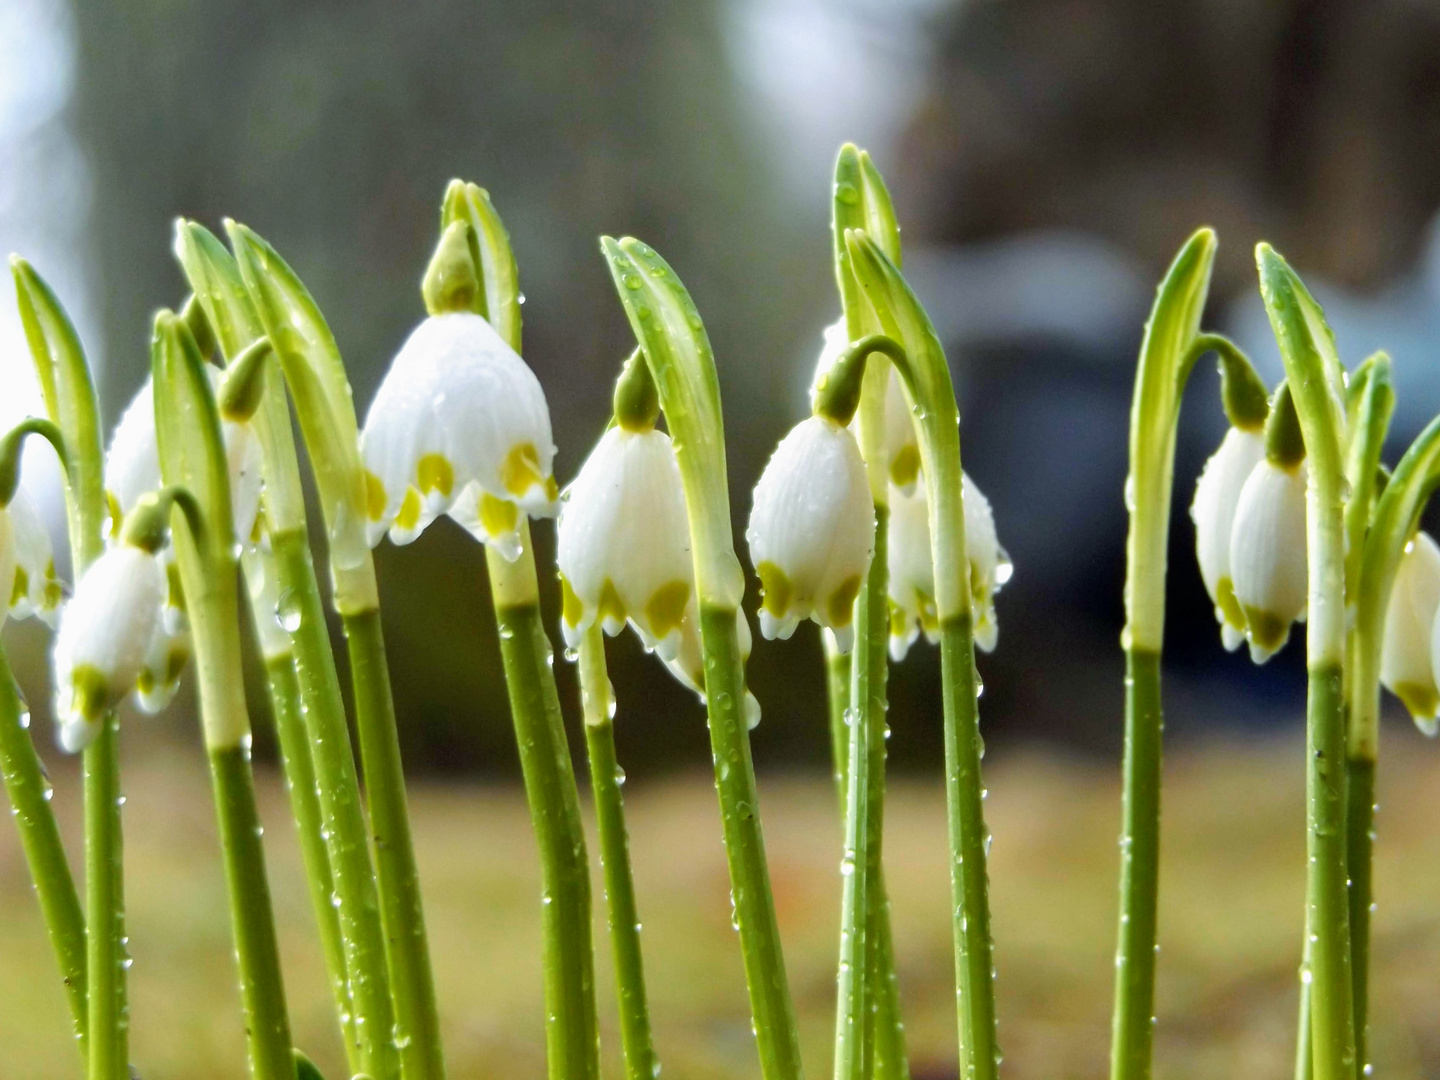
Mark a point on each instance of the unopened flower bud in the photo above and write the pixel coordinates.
(1405, 665)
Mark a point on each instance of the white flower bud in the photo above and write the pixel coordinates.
(105, 633)
(1405, 665)
(624, 542)
(912, 571)
(132, 464)
(459, 426)
(811, 531)
(27, 563)
(1268, 555)
(1217, 494)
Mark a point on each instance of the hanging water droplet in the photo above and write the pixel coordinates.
(619, 776)
(287, 611)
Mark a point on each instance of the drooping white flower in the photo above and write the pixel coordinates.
(1405, 665)
(132, 464)
(912, 570)
(105, 632)
(902, 446)
(1217, 495)
(811, 530)
(170, 646)
(28, 582)
(1268, 555)
(459, 425)
(624, 542)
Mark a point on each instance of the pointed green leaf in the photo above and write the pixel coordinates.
(70, 401)
(496, 260)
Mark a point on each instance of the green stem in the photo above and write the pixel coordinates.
(969, 841)
(852, 1027)
(342, 814)
(837, 686)
(29, 793)
(412, 986)
(754, 903)
(107, 1016)
(571, 1031)
(1304, 1044)
(1359, 841)
(1134, 1026)
(262, 990)
(305, 806)
(605, 780)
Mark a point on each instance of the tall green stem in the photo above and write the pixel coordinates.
(853, 1047)
(837, 696)
(106, 962)
(1316, 384)
(29, 794)
(1166, 357)
(305, 806)
(342, 814)
(672, 336)
(605, 780)
(571, 1032)
(417, 1020)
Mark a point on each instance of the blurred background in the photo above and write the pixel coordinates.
(1047, 157)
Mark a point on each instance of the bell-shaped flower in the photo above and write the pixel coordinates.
(28, 582)
(1217, 495)
(170, 647)
(1405, 665)
(811, 530)
(132, 464)
(902, 445)
(624, 542)
(459, 425)
(105, 633)
(912, 571)
(1268, 555)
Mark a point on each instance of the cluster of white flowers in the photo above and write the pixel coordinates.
(1249, 514)
(458, 426)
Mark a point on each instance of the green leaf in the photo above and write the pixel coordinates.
(493, 254)
(672, 336)
(305, 1069)
(71, 403)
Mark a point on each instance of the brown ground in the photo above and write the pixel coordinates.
(1233, 866)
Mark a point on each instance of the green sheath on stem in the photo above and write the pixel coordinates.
(29, 793)
(417, 1020)
(571, 1030)
(605, 780)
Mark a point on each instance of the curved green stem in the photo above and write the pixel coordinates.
(29, 793)
(1312, 370)
(670, 331)
(605, 780)
(571, 1031)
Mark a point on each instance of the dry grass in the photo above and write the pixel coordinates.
(1230, 922)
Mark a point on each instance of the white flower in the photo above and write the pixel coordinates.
(105, 632)
(28, 583)
(170, 648)
(912, 570)
(459, 425)
(624, 542)
(1217, 494)
(811, 530)
(132, 464)
(902, 446)
(1405, 667)
(1267, 555)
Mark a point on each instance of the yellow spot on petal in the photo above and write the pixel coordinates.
(552, 489)
(899, 621)
(905, 466)
(497, 516)
(1227, 603)
(374, 496)
(520, 470)
(775, 589)
(92, 693)
(175, 594)
(409, 515)
(112, 507)
(1267, 631)
(175, 661)
(841, 607)
(434, 473)
(22, 586)
(571, 609)
(1421, 699)
(54, 591)
(611, 606)
(666, 608)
